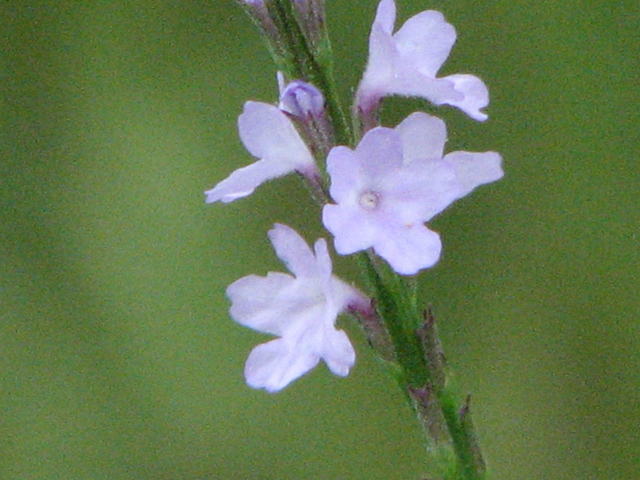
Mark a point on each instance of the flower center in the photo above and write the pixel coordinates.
(369, 200)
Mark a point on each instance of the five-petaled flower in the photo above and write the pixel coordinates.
(393, 182)
(301, 310)
(406, 63)
(269, 135)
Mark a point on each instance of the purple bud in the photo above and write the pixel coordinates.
(301, 99)
(305, 105)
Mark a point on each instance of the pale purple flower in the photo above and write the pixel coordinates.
(407, 62)
(300, 309)
(394, 181)
(269, 135)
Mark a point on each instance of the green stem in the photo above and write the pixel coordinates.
(393, 308)
(423, 374)
(470, 463)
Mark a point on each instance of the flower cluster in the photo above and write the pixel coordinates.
(382, 189)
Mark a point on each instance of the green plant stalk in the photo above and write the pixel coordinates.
(469, 460)
(392, 306)
(398, 308)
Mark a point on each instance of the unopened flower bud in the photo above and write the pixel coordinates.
(300, 99)
(305, 104)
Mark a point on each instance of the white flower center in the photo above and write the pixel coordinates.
(369, 200)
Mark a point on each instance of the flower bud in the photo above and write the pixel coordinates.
(300, 99)
(305, 104)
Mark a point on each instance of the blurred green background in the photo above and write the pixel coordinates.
(118, 359)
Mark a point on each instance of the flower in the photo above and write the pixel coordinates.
(270, 136)
(406, 63)
(394, 181)
(301, 310)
